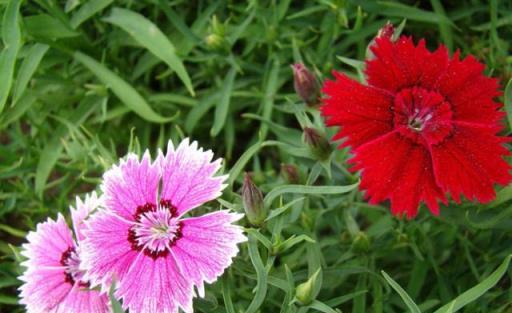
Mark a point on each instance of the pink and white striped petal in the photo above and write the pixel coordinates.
(207, 246)
(131, 184)
(188, 176)
(82, 210)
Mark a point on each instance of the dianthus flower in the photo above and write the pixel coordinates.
(53, 281)
(141, 239)
(425, 126)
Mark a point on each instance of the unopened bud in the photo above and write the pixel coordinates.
(361, 243)
(317, 142)
(305, 84)
(290, 173)
(216, 39)
(386, 31)
(305, 292)
(253, 202)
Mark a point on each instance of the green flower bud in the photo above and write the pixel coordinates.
(253, 202)
(305, 292)
(361, 243)
(317, 142)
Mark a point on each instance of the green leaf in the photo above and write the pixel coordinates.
(11, 35)
(87, 10)
(413, 308)
(303, 189)
(116, 306)
(53, 149)
(508, 102)
(222, 108)
(478, 290)
(124, 91)
(267, 102)
(151, 37)
(47, 27)
(261, 274)
(13, 231)
(322, 307)
(28, 68)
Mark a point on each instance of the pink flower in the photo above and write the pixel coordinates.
(53, 281)
(142, 240)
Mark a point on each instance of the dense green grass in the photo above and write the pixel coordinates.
(82, 83)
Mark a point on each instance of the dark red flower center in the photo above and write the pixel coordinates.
(156, 229)
(72, 273)
(422, 115)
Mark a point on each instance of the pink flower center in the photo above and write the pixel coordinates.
(156, 229)
(72, 272)
(422, 115)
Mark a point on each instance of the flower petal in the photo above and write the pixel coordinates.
(187, 176)
(82, 211)
(131, 184)
(469, 92)
(363, 112)
(155, 286)
(402, 64)
(395, 168)
(106, 252)
(470, 162)
(83, 300)
(207, 246)
(47, 244)
(44, 289)
(44, 284)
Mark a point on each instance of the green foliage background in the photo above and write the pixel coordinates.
(84, 82)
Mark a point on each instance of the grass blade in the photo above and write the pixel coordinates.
(11, 35)
(261, 274)
(478, 290)
(222, 109)
(413, 308)
(508, 102)
(303, 189)
(151, 37)
(28, 68)
(87, 10)
(124, 91)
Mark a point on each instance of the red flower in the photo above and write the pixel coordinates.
(425, 125)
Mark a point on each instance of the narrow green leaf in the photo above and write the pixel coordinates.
(12, 231)
(116, 306)
(53, 149)
(303, 189)
(508, 102)
(87, 10)
(267, 103)
(28, 68)
(413, 308)
(478, 290)
(11, 35)
(151, 37)
(222, 108)
(261, 274)
(322, 307)
(246, 156)
(124, 91)
(47, 27)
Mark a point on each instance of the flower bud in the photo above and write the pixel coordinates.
(305, 84)
(290, 173)
(305, 292)
(216, 39)
(386, 31)
(320, 147)
(361, 243)
(253, 202)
